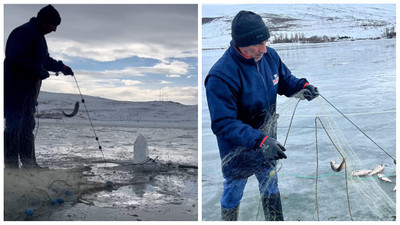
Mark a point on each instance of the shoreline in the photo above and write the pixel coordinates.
(145, 124)
(300, 44)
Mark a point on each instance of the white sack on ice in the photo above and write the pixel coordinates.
(140, 150)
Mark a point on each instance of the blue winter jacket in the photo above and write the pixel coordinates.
(241, 95)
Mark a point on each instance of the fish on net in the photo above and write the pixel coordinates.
(367, 192)
(356, 197)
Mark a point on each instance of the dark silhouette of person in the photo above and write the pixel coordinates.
(26, 64)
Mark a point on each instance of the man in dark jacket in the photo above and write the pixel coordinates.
(26, 64)
(241, 89)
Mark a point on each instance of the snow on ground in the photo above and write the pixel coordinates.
(355, 21)
(120, 113)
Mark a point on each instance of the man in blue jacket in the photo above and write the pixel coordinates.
(241, 89)
(26, 64)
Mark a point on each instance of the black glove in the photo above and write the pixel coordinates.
(44, 74)
(67, 70)
(272, 149)
(310, 92)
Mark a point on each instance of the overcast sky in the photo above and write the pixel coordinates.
(123, 52)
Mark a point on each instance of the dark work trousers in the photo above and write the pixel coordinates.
(18, 137)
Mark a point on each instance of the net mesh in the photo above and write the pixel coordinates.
(369, 189)
(35, 194)
(341, 194)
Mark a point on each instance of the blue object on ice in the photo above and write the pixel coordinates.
(151, 178)
(60, 200)
(68, 193)
(109, 184)
(29, 212)
(54, 201)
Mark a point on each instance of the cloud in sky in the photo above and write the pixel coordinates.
(176, 67)
(131, 82)
(165, 82)
(121, 49)
(117, 50)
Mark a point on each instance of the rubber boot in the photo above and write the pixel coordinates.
(27, 152)
(27, 155)
(229, 214)
(272, 207)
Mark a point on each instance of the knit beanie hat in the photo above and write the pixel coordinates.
(49, 15)
(248, 29)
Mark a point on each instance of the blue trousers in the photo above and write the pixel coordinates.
(233, 189)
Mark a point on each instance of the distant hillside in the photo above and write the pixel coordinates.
(116, 113)
(285, 21)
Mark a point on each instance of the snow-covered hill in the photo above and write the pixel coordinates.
(338, 20)
(116, 113)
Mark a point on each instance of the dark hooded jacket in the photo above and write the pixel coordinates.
(241, 95)
(25, 66)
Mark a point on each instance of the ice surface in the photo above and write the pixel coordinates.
(156, 191)
(358, 77)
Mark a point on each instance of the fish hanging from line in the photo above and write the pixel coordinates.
(336, 167)
(76, 108)
(377, 169)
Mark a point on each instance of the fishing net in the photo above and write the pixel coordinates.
(37, 193)
(34, 194)
(363, 189)
(43, 194)
(309, 186)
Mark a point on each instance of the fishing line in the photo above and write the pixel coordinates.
(87, 112)
(47, 194)
(90, 120)
(394, 160)
(348, 114)
(287, 134)
(317, 161)
(37, 127)
(290, 124)
(346, 177)
(59, 181)
(343, 158)
(311, 177)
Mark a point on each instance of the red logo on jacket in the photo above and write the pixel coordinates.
(276, 79)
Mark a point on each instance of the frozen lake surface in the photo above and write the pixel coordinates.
(359, 78)
(164, 188)
(152, 192)
(73, 145)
